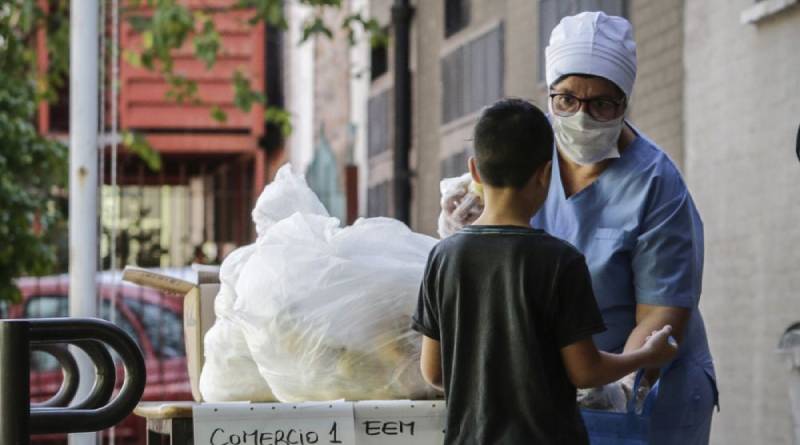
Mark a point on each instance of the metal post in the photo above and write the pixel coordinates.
(83, 111)
(14, 383)
(401, 21)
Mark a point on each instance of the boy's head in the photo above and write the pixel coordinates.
(513, 141)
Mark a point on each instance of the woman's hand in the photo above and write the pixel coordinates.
(461, 205)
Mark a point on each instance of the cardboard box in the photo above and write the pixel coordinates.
(198, 310)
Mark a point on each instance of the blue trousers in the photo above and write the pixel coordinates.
(686, 400)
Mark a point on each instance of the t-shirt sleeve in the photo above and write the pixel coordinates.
(426, 317)
(576, 313)
(667, 260)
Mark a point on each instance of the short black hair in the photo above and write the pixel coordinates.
(512, 139)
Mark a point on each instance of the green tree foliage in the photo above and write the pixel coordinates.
(166, 25)
(33, 169)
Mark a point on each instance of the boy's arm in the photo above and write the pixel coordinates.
(650, 318)
(430, 362)
(588, 367)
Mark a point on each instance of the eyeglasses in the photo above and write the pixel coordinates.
(602, 109)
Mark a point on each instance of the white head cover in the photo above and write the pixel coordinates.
(596, 44)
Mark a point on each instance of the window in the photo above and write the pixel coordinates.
(378, 199)
(552, 11)
(472, 75)
(59, 107)
(164, 328)
(763, 9)
(50, 306)
(455, 165)
(378, 61)
(121, 321)
(378, 125)
(456, 16)
(45, 306)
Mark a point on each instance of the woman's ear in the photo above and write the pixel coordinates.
(473, 169)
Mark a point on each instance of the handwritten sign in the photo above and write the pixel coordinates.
(399, 422)
(312, 423)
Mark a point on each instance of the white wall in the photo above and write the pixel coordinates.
(299, 83)
(742, 109)
(359, 96)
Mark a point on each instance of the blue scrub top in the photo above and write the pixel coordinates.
(643, 241)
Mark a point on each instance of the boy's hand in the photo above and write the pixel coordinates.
(660, 347)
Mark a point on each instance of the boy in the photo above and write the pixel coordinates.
(507, 312)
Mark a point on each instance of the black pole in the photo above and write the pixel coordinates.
(401, 21)
(14, 383)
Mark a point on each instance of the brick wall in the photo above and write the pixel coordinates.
(741, 114)
(433, 141)
(657, 103)
(658, 97)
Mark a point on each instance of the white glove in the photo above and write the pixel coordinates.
(461, 205)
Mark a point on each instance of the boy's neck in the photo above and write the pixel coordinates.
(506, 207)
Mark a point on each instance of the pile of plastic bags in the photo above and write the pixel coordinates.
(316, 311)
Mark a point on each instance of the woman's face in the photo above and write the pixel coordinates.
(588, 87)
(599, 97)
(587, 118)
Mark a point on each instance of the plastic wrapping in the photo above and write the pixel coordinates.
(611, 397)
(287, 194)
(229, 372)
(326, 311)
(461, 203)
(615, 396)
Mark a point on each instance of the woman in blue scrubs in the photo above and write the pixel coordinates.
(620, 200)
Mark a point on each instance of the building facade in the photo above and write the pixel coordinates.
(326, 84)
(468, 53)
(741, 117)
(714, 89)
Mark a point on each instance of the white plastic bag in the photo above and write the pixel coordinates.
(287, 194)
(229, 372)
(615, 396)
(609, 397)
(326, 311)
(461, 204)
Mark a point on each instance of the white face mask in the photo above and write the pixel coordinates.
(585, 140)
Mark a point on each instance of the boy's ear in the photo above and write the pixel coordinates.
(473, 169)
(543, 175)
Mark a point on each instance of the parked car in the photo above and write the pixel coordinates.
(152, 318)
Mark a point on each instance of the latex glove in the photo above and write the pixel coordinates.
(461, 204)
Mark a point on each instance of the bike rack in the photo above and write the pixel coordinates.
(19, 418)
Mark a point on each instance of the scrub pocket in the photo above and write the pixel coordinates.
(687, 396)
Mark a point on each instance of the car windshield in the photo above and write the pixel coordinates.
(163, 326)
(57, 305)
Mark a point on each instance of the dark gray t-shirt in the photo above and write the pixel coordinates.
(503, 301)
